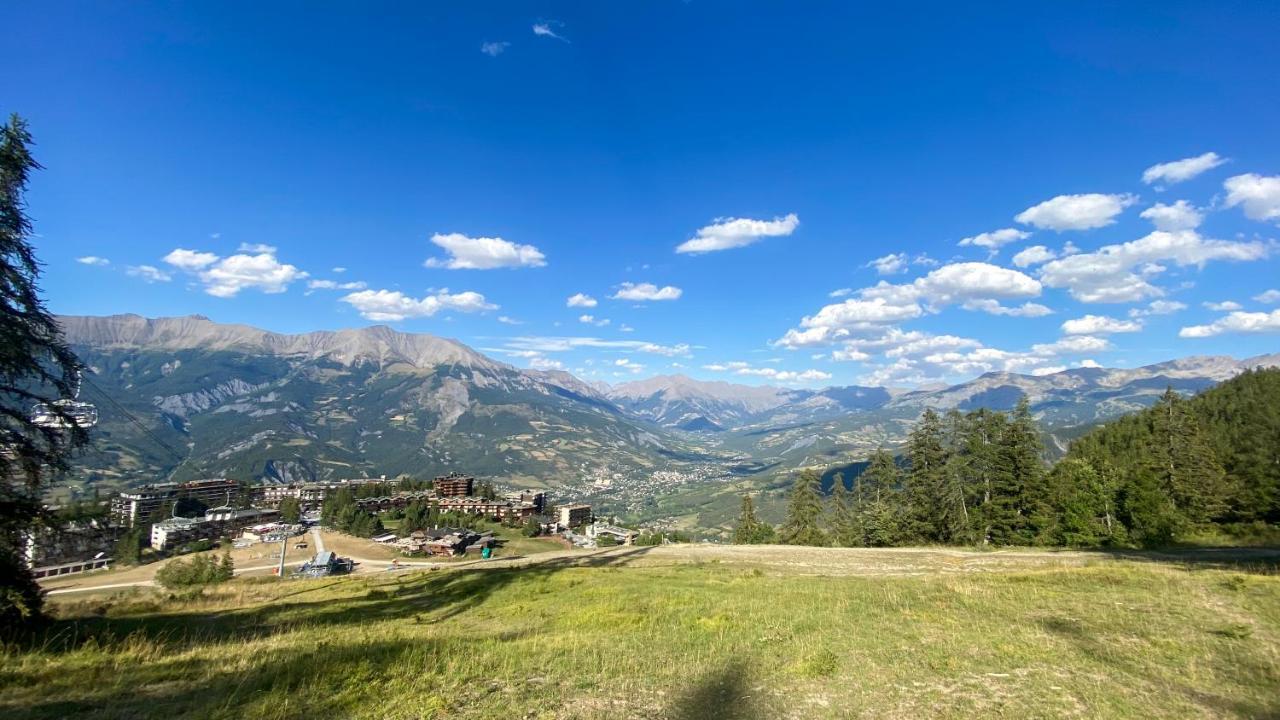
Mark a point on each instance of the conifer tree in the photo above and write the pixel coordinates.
(802, 525)
(880, 507)
(925, 514)
(842, 515)
(1184, 462)
(36, 366)
(750, 530)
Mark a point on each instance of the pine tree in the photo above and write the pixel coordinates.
(842, 515)
(748, 528)
(880, 507)
(804, 512)
(36, 366)
(1183, 461)
(926, 512)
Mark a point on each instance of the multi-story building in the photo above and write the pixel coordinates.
(143, 505)
(536, 498)
(454, 485)
(70, 542)
(572, 516)
(495, 509)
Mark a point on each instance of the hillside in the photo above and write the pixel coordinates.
(188, 397)
(682, 632)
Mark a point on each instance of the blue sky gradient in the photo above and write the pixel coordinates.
(590, 140)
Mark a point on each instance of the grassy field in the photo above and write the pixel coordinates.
(684, 632)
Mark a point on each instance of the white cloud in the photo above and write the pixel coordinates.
(1181, 215)
(592, 320)
(1049, 370)
(993, 307)
(543, 344)
(190, 260)
(494, 49)
(1099, 325)
(581, 300)
(726, 233)
(1258, 195)
(625, 328)
(972, 284)
(483, 253)
(995, 239)
(1180, 170)
(888, 265)
(225, 277)
(1270, 296)
(393, 305)
(1224, 306)
(508, 320)
(544, 30)
(257, 249)
(1076, 212)
(643, 292)
(228, 276)
(1070, 345)
(1034, 255)
(543, 363)
(628, 364)
(1158, 307)
(1119, 273)
(339, 270)
(93, 260)
(149, 273)
(1236, 322)
(335, 285)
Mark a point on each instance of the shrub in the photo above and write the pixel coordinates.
(199, 570)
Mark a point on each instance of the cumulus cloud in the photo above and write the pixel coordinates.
(726, 233)
(644, 292)
(1259, 196)
(257, 248)
(1224, 306)
(785, 376)
(1236, 322)
(994, 307)
(483, 253)
(190, 260)
(225, 277)
(1034, 255)
(1181, 215)
(1177, 171)
(1270, 296)
(891, 264)
(1119, 273)
(335, 285)
(505, 320)
(593, 320)
(969, 284)
(93, 260)
(494, 49)
(581, 300)
(1076, 212)
(394, 306)
(1099, 325)
(995, 239)
(1158, 307)
(149, 273)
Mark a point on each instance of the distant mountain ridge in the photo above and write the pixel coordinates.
(188, 397)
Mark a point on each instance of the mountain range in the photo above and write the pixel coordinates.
(187, 397)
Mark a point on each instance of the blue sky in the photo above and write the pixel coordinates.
(719, 179)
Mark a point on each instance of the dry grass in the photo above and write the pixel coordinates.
(685, 632)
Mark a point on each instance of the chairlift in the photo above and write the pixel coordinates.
(66, 413)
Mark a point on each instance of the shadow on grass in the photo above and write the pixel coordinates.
(1090, 643)
(723, 694)
(1259, 560)
(429, 597)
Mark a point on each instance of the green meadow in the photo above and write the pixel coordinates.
(678, 633)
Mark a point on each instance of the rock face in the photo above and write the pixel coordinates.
(188, 397)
